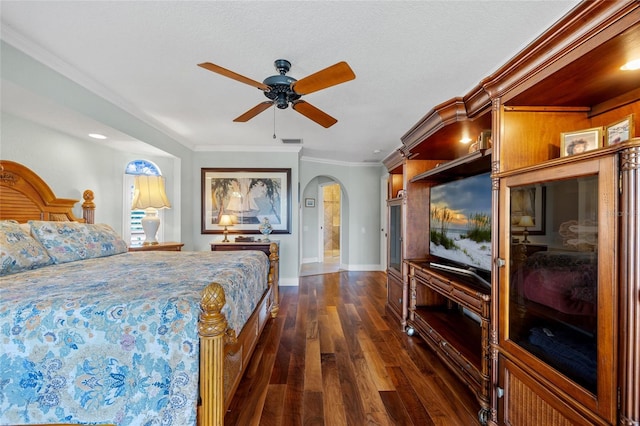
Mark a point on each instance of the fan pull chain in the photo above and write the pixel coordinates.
(274, 121)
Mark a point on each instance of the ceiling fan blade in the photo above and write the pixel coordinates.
(335, 74)
(242, 79)
(313, 113)
(254, 111)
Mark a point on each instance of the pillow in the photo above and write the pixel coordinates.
(71, 241)
(19, 251)
(26, 228)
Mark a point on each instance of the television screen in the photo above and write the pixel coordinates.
(460, 223)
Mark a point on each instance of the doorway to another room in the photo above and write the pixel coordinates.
(331, 223)
(329, 220)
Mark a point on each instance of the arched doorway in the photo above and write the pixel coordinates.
(330, 223)
(322, 226)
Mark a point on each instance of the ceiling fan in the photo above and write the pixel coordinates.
(283, 90)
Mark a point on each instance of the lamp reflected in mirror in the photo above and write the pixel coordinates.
(526, 222)
(225, 220)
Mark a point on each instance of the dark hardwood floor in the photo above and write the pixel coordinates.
(335, 357)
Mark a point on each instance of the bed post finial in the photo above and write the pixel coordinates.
(212, 329)
(274, 277)
(88, 207)
(212, 322)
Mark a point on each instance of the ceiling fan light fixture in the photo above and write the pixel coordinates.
(282, 90)
(282, 101)
(282, 65)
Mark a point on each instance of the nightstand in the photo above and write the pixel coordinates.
(159, 247)
(262, 246)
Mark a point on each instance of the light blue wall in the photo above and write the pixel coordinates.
(361, 210)
(285, 160)
(33, 76)
(72, 165)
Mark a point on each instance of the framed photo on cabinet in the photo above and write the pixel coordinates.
(572, 143)
(620, 131)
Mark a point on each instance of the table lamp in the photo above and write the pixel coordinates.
(149, 195)
(526, 221)
(225, 220)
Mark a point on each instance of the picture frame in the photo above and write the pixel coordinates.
(620, 131)
(484, 140)
(309, 202)
(247, 194)
(528, 201)
(572, 143)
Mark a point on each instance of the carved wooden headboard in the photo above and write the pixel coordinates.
(25, 196)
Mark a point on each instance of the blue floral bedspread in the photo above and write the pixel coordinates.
(115, 339)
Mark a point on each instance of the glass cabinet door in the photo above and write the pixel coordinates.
(558, 289)
(553, 305)
(395, 236)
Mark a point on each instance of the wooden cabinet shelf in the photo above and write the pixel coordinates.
(468, 165)
(451, 313)
(455, 329)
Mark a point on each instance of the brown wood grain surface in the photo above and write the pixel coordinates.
(334, 357)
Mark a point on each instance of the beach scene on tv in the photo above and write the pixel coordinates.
(460, 226)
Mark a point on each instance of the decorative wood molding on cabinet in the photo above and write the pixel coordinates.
(566, 81)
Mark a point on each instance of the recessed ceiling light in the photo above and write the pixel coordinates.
(631, 65)
(376, 151)
(97, 136)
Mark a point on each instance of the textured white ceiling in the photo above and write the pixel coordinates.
(142, 56)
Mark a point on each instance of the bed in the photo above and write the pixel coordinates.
(558, 291)
(94, 334)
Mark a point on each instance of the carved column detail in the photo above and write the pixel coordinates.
(630, 287)
(496, 136)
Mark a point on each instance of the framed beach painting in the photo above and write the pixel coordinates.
(248, 195)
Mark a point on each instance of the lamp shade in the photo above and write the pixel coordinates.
(148, 191)
(526, 221)
(225, 220)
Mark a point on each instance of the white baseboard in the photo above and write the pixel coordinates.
(363, 268)
(310, 260)
(289, 282)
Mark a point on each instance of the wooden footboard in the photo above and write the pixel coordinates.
(223, 357)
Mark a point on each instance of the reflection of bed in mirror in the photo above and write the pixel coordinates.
(93, 333)
(556, 294)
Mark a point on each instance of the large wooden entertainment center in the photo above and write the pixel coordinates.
(555, 339)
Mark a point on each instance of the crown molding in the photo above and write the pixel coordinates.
(246, 148)
(340, 163)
